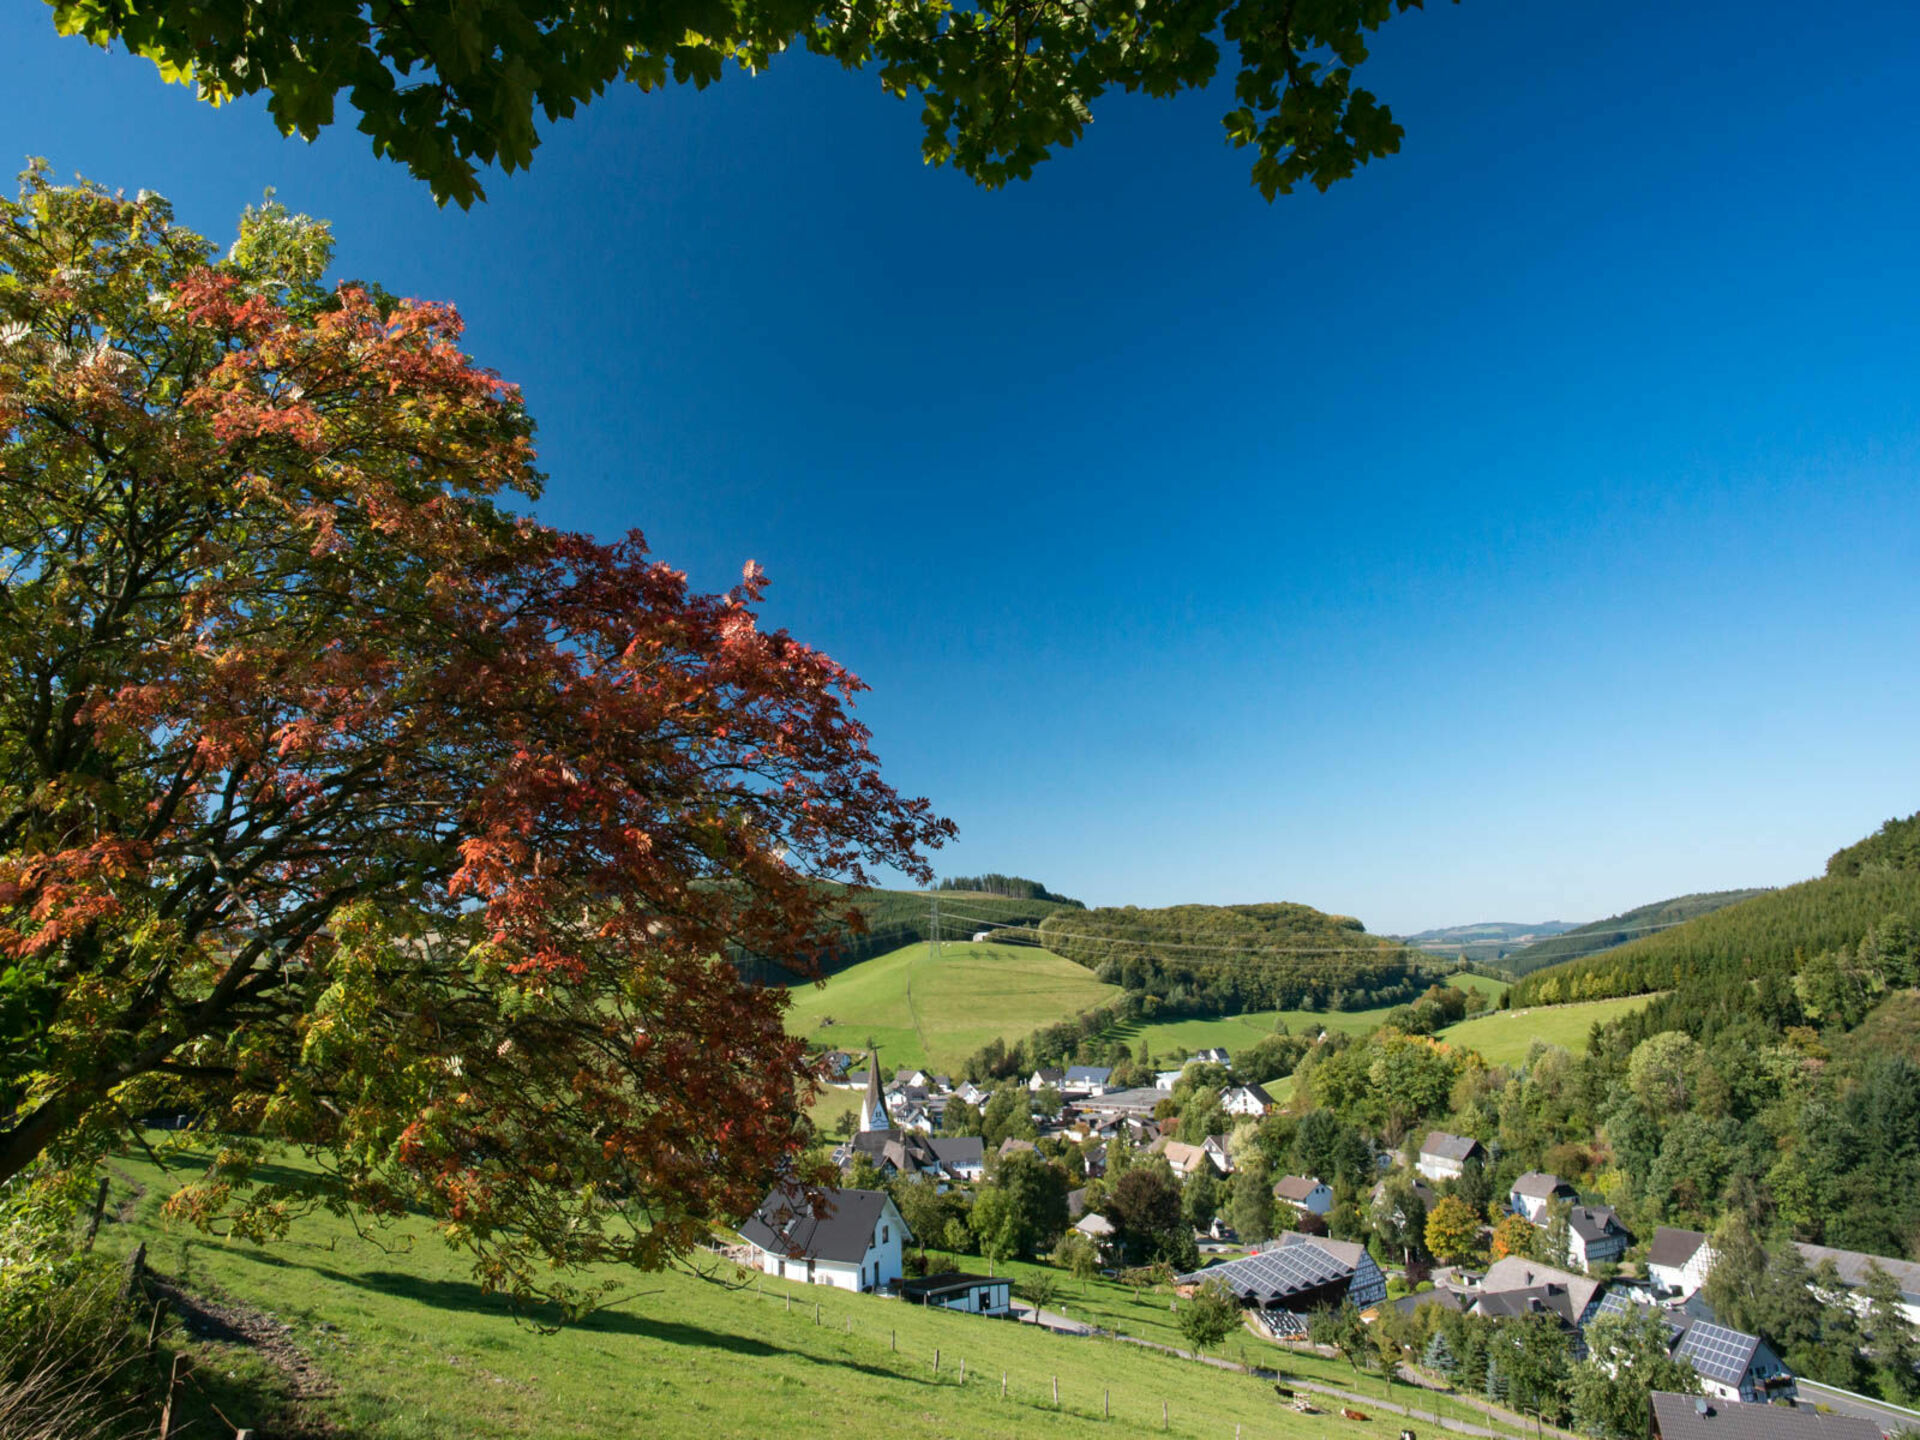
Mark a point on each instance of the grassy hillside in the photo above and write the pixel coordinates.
(935, 1013)
(401, 1345)
(1237, 1032)
(899, 917)
(1615, 930)
(1226, 959)
(1505, 1036)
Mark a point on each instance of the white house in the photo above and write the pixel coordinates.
(1246, 1100)
(1210, 1057)
(1084, 1080)
(1166, 1079)
(1304, 1192)
(1044, 1077)
(850, 1239)
(1678, 1260)
(1219, 1153)
(974, 1294)
(1534, 1191)
(1595, 1236)
(1445, 1157)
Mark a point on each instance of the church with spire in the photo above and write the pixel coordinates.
(873, 1105)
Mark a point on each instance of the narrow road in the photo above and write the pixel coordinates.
(1892, 1419)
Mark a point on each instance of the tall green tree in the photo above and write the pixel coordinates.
(343, 803)
(1002, 85)
(1628, 1360)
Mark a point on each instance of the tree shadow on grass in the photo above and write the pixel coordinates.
(466, 1297)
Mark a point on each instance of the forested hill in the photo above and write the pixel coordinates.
(900, 917)
(1222, 959)
(1487, 942)
(1619, 929)
(1868, 888)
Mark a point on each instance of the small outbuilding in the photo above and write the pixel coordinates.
(975, 1294)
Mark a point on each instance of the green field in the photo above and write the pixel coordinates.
(404, 1346)
(935, 1013)
(1237, 1032)
(1504, 1037)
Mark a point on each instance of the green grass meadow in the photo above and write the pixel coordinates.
(934, 1013)
(408, 1348)
(1504, 1037)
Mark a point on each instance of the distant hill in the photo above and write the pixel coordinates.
(1223, 959)
(1010, 887)
(1767, 938)
(1572, 943)
(894, 918)
(1486, 942)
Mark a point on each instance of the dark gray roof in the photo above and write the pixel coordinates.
(1297, 1267)
(1674, 1248)
(1540, 1185)
(1852, 1265)
(1089, 1074)
(1680, 1417)
(1594, 1222)
(1449, 1147)
(1444, 1298)
(942, 1284)
(838, 1226)
(1142, 1099)
(959, 1149)
(1534, 1300)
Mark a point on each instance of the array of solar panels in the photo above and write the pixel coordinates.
(1617, 1302)
(1717, 1352)
(1275, 1275)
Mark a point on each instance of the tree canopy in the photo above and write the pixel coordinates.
(1003, 84)
(341, 803)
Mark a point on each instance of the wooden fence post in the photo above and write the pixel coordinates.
(1163, 1414)
(1003, 1384)
(893, 1339)
(963, 1369)
(1106, 1404)
(816, 1312)
(99, 1204)
(936, 1359)
(1056, 1392)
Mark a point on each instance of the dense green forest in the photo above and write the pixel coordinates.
(1772, 933)
(1619, 929)
(1011, 887)
(1223, 959)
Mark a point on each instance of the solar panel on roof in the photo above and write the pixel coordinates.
(1276, 1274)
(1717, 1352)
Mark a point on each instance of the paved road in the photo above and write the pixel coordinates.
(1049, 1321)
(1890, 1418)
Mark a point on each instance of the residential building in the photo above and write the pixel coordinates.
(1084, 1080)
(1247, 1100)
(1445, 1157)
(1574, 1298)
(1425, 1193)
(1534, 1191)
(850, 1239)
(1218, 1153)
(974, 1294)
(1042, 1078)
(1292, 1276)
(1694, 1417)
(1304, 1192)
(1595, 1236)
(1183, 1159)
(1678, 1261)
(1732, 1365)
(1854, 1268)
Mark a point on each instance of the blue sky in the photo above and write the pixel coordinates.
(1525, 529)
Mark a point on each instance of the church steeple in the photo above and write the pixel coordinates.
(873, 1105)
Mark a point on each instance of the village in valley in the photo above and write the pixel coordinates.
(1507, 1263)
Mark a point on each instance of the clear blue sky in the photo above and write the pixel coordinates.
(1525, 529)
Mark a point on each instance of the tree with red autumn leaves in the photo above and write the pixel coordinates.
(343, 805)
